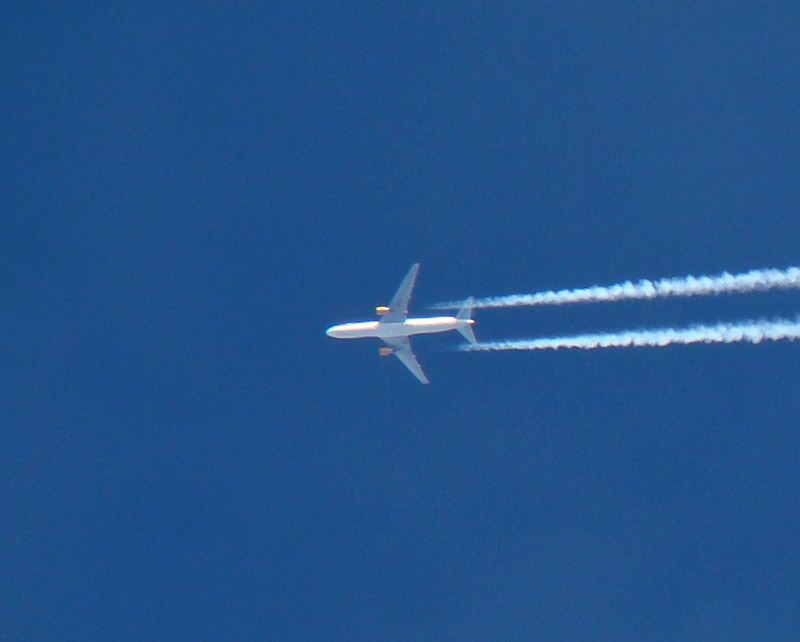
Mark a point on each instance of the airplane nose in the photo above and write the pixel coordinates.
(330, 330)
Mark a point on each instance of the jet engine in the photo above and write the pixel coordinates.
(382, 309)
(385, 351)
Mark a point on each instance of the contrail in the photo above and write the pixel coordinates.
(742, 332)
(752, 281)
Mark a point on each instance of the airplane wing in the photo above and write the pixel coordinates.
(402, 349)
(398, 308)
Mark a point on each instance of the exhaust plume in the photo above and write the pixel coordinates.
(725, 283)
(742, 332)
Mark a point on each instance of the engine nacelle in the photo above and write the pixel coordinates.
(385, 351)
(382, 309)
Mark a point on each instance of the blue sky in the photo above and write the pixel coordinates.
(193, 194)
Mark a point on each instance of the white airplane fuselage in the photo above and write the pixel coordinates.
(409, 327)
(395, 329)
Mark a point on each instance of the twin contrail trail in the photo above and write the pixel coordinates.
(742, 332)
(725, 283)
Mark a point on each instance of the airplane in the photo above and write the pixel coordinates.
(395, 328)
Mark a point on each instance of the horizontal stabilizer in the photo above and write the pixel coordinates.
(465, 314)
(468, 334)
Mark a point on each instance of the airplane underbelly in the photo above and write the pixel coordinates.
(411, 327)
(407, 328)
(354, 330)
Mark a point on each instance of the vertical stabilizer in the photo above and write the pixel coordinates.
(465, 314)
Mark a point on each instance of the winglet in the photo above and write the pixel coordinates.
(465, 314)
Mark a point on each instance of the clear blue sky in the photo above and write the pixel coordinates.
(192, 194)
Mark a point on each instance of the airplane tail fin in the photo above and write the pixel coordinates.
(465, 314)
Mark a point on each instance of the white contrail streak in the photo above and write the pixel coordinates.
(752, 281)
(742, 332)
